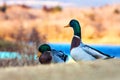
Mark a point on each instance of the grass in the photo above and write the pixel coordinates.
(91, 70)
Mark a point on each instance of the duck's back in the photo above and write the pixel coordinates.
(58, 56)
(95, 53)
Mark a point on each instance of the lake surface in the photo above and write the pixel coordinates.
(113, 50)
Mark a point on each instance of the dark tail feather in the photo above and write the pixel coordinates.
(110, 57)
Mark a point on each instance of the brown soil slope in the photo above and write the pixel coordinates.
(99, 25)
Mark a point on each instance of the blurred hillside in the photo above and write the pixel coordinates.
(100, 25)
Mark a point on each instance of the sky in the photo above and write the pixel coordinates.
(64, 3)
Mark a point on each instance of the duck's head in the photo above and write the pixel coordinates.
(76, 27)
(44, 47)
(44, 54)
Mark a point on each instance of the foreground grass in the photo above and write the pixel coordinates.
(96, 70)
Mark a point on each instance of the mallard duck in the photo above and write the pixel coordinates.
(47, 55)
(81, 51)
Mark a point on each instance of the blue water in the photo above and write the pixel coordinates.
(112, 50)
(12, 55)
(6, 55)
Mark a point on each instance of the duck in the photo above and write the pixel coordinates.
(47, 55)
(80, 51)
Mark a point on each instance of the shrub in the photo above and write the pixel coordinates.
(52, 9)
(7, 46)
(116, 11)
(3, 8)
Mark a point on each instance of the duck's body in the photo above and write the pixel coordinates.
(85, 52)
(80, 51)
(58, 56)
(50, 55)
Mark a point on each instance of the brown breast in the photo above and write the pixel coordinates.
(45, 58)
(75, 42)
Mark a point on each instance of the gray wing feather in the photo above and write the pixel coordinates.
(58, 56)
(95, 53)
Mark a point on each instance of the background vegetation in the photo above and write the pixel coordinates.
(23, 29)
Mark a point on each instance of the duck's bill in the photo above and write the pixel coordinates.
(67, 26)
(39, 54)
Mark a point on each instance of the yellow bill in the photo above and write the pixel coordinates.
(67, 26)
(39, 54)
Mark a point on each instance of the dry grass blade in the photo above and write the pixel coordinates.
(96, 70)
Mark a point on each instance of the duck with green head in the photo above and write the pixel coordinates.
(80, 51)
(47, 55)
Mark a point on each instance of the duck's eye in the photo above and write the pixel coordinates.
(71, 24)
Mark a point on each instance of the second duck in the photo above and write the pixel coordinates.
(47, 55)
(81, 51)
